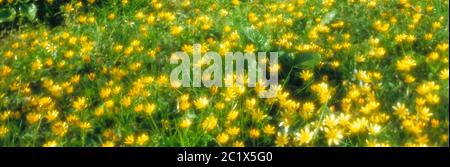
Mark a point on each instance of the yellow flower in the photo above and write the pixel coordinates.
(374, 143)
(109, 134)
(69, 54)
(162, 80)
(79, 104)
(139, 15)
(233, 131)
(201, 103)
(308, 110)
(186, 3)
(433, 56)
(105, 93)
(33, 118)
(443, 75)
(60, 128)
(108, 144)
(409, 79)
(306, 75)
(406, 64)
(400, 110)
(281, 140)
(432, 98)
(75, 79)
(36, 65)
(374, 129)
(109, 104)
(254, 133)
(150, 108)
(5, 71)
(363, 76)
(358, 125)
(118, 48)
(139, 108)
(222, 138)
(250, 48)
(235, 2)
(305, 136)
(51, 143)
(176, 30)
(126, 101)
(269, 130)
(333, 136)
(52, 115)
(111, 16)
(91, 76)
(220, 106)
(99, 111)
(238, 144)
(209, 123)
(444, 137)
(185, 123)
(3, 130)
(85, 126)
(427, 87)
(185, 105)
(142, 139)
(252, 17)
(323, 92)
(232, 115)
(129, 140)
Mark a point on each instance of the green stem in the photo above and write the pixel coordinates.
(36, 133)
(83, 139)
(155, 127)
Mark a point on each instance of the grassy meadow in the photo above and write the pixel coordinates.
(352, 73)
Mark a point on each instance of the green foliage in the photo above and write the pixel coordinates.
(20, 10)
(7, 15)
